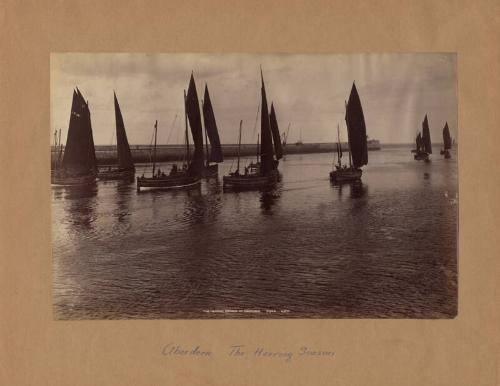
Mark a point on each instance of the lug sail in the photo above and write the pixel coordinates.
(418, 141)
(123, 149)
(193, 113)
(79, 155)
(276, 133)
(426, 136)
(211, 128)
(356, 129)
(446, 137)
(266, 146)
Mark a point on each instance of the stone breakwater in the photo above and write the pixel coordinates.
(143, 153)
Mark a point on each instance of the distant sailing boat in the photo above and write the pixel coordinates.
(78, 165)
(191, 173)
(423, 142)
(264, 173)
(358, 149)
(126, 168)
(299, 142)
(285, 138)
(212, 135)
(446, 141)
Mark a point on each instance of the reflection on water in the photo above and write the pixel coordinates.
(385, 247)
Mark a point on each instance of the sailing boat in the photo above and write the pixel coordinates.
(285, 138)
(78, 165)
(190, 174)
(212, 135)
(299, 142)
(446, 141)
(424, 146)
(356, 133)
(126, 168)
(264, 173)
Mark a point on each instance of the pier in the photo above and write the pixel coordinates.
(106, 154)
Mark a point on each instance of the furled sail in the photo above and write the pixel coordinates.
(426, 136)
(211, 128)
(266, 146)
(356, 129)
(446, 137)
(123, 149)
(193, 113)
(79, 155)
(278, 150)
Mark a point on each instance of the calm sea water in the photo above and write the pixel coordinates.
(387, 249)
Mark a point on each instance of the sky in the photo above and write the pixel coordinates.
(308, 91)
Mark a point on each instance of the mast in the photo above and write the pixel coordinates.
(154, 148)
(59, 151)
(239, 147)
(339, 146)
(348, 136)
(187, 136)
(206, 137)
(258, 147)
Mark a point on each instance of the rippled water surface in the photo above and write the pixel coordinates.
(307, 249)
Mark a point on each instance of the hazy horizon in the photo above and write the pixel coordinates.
(308, 91)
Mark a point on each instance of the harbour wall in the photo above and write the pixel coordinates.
(142, 153)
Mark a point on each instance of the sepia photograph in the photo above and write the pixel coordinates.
(254, 186)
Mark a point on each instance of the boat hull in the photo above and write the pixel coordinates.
(62, 179)
(250, 181)
(421, 157)
(345, 175)
(446, 154)
(182, 181)
(116, 174)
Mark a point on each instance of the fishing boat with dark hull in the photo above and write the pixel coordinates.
(264, 173)
(78, 166)
(357, 140)
(190, 174)
(423, 143)
(447, 142)
(214, 154)
(125, 170)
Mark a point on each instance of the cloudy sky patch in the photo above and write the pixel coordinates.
(308, 91)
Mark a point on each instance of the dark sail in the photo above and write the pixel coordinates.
(278, 150)
(446, 137)
(426, 136)
(193, 113)
(356, 129)
(211, 128)
(266, 146)
(123, 149)
(79, 155)
(419, 142)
